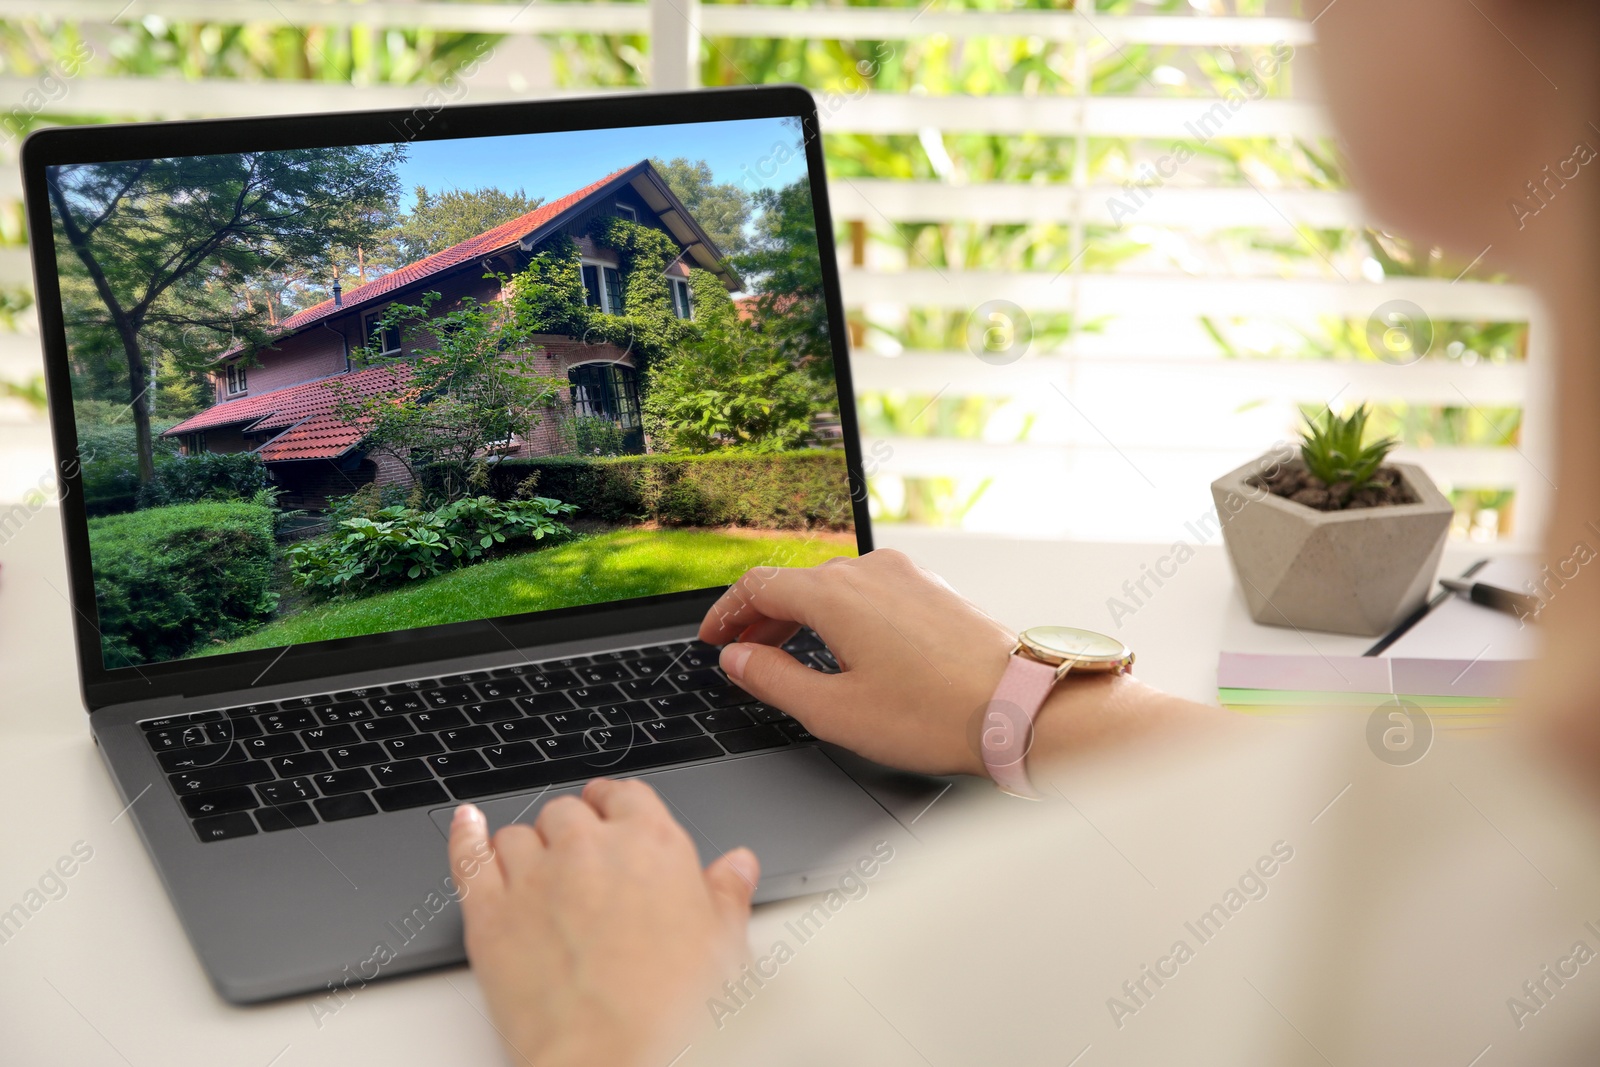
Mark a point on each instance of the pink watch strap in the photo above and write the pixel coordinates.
(1007, 731)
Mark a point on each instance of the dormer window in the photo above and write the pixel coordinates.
(235, 379)
(602, 287)
(678, 290)
(387, 340)
(626, 212)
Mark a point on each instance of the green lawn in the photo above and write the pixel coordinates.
(611, 566)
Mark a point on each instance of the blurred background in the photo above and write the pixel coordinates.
(1094, 255)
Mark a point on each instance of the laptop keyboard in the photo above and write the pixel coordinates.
(294, 763)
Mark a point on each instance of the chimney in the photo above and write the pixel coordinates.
(338, 292)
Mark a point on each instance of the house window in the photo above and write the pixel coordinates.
(678, 289)
(602, 287)
(193, 443)
(606, 391)
(236, 379)
(626, 212)
(386, 341)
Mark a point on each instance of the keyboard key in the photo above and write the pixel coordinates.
(189, 759)
(182, 737)
(401, 773)
(494, 711)
(352, 806)
(612, 739)
(575, 722)
(358, 755)
(402, 703)
(288, 721)
(794, 731)
(306, 702)
(823, 661)
(286, 816)
(280, 745)
(415, 795)
(345, 711)
(445, 719)
(238, 729)
(416, 685)
(765, 713)
(633, 711)
(542, 703)
(726, 696)
(407, 747)
(222, 827)
(329, 736)
(464, 679)
(301, 763)
(336, 782)
(565, 745)
(549, 772)
(650, 666)
(600, 673)
(219, 802)
(643, 688)
(286, 792)
(468, 737)
(166, 722)
(522, 729)
(671, 729)
(592, 696)
(565, 663)
(677, 704)
(449, 696)
(756, 737)
(804, 641)
(502, 689)
(380, 729)
(698, 655)
(691, 680)
(233, 774)
(669, 650)
(360, 694)
(511, 755)
(452, 763)
(727, 719)
(547, 681)
(515, 671)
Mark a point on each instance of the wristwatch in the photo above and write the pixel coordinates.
(1042, 657)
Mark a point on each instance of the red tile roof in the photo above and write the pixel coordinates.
(305, 412)
(490, 241)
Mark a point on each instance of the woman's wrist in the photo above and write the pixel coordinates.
(1086, 712)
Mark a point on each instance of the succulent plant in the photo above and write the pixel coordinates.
(1333, 451)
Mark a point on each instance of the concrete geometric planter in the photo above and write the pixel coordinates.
(1359, 571)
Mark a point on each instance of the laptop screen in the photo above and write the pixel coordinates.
(323, 393)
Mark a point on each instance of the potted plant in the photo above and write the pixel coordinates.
(1333, 538)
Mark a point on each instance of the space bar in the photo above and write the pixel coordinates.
(577, 768)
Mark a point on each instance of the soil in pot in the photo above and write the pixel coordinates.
(1294, 482)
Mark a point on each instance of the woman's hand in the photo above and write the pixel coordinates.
(594, 933)
(919, 662)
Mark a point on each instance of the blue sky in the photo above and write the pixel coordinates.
(550, 165)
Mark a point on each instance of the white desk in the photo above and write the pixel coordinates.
(104, 975)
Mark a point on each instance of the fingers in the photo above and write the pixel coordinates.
(732, 880)
(473, 863)
(623, 799)
(772, 675)
(785, 594)
(563, 818)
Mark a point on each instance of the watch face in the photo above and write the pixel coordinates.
(1060, 643)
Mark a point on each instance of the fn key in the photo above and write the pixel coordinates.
(222, 827)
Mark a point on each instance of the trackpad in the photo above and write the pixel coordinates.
(803, 816)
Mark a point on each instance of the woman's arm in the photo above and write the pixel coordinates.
(919, 664)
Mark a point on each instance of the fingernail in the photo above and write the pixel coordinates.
(744, 861)
(467, 813)
(734, 657)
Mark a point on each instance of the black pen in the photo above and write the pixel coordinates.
(1521, 605)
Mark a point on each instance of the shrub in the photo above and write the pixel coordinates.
(402, 543)
(778, 491)
(169, 579)
(110, 458)
(205, 476)
(593, 435)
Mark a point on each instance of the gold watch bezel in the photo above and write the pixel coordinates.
(1115, 662)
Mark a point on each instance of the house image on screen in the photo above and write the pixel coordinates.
(281, 402)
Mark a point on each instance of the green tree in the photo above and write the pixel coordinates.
(468, 384)
(438, 220)
(721, 209)
(785, 268)
(152, 236)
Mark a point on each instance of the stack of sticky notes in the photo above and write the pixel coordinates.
(1455, 693)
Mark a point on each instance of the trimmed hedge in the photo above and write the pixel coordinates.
(205, 476)
(774, 491)
(169, 579)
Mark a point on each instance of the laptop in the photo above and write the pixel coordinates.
(403, 453)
